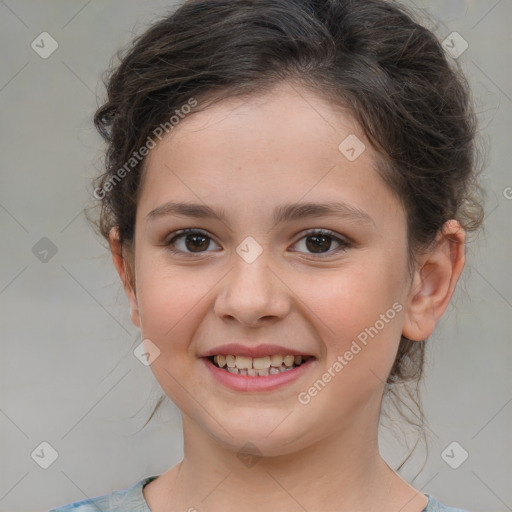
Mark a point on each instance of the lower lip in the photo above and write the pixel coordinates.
(249, 383)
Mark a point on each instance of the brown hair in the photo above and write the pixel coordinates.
(370, 56)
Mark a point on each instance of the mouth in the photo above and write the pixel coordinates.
(258, 366)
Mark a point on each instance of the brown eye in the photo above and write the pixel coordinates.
(196, 242)
(189, 241)
(320, 241)
(316, 242)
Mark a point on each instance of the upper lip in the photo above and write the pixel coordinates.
(262, 350)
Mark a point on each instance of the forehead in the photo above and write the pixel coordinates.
(241, 124)
(250, 153)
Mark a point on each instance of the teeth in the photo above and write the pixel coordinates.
(243, 362)
(258, 366)
(260, 363)
(288, 360)
(276, 361)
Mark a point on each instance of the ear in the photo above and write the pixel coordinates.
(434, 282)
(124, 270)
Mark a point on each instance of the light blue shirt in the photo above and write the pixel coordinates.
(132, 500)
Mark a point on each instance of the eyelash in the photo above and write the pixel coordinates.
(344, 244)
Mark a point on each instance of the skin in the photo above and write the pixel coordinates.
(249, 156)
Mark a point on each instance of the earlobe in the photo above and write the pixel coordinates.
(434, 282)
(123, 269)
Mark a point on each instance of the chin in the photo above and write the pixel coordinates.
(267, 439)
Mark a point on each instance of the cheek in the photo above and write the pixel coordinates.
(358, 313)
(171, 307)
(169, 299)
(350, 299)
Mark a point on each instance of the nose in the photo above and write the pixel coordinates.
(252, 293)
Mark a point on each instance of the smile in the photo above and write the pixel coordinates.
(258, 374)
(257, 366)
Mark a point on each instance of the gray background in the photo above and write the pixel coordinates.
(68, 374)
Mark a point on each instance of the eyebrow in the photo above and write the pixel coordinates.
(282, 213)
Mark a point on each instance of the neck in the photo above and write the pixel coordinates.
(343, 470)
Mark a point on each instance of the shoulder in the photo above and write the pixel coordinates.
(436, 506)
(126, 500)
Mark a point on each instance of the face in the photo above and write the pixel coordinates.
(328, 284)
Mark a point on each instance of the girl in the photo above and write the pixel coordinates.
(287, 192)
